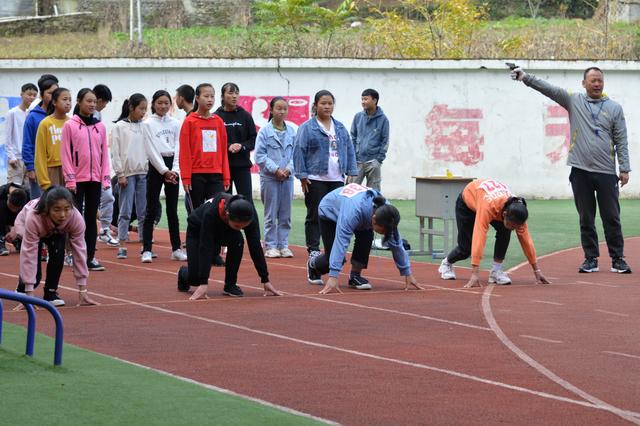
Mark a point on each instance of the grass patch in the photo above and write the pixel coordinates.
(93, 389)
(513, 37)
(553, 225)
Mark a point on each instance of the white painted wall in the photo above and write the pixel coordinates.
(510, 119)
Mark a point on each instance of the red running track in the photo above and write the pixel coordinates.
(566, 353)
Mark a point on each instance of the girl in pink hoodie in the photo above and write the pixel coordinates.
(50, 220)
(85, 165)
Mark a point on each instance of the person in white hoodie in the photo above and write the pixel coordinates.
(162, 142)
(130, 164)
(14, 123)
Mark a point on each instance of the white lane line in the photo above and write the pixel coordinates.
(597, 284)
(541, 339)
(478, 379)
(328, 300)
(488, 314)
(622, 354)
(546, 302)
(618, 314)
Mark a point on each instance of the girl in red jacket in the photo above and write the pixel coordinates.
(204, 163)
(85, 165)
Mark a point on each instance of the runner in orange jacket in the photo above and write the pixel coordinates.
(485, 202)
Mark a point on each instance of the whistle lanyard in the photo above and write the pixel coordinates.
(594, 117)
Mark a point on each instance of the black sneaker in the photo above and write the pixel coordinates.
(94, 265)
(52, 297)
(183, 279)
(218, 261)
(620, 266)
(312, 276)
(359, 282)
(233, 291)
(3, 249)
(590, 264)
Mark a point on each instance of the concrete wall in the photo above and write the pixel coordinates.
(466, 116)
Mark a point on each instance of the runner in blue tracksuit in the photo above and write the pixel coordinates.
(356, 210)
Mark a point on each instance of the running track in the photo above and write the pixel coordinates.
(567, 353)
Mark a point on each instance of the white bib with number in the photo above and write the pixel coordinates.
(209, 141)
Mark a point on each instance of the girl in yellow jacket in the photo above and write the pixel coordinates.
(48, 162)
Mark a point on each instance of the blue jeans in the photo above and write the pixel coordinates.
(136, 189)
(277, 197)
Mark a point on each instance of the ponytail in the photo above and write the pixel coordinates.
(52, 195)
(198, 90)
(130, 104)
(386, 216)
(272, 104)
(54, 98)
(239, 209)
(515, 210)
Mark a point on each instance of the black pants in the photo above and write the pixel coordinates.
(55, 247)
(87, 199)
(200, 266)
(241, 179)
(317, 190)
(361, 246)
(466, 219)
(155, 181)
(205, 186)
(584, 184)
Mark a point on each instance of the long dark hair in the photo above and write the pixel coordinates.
(515, 210)
(54, 98)
(386, 215)
(158, 95)
(272, 103)
(198, 90)
(228, 87)
(52, 195)
(130, 104)
(81, 94)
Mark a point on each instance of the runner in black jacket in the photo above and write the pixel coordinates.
(217, 223)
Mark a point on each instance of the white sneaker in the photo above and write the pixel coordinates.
(178, 255)
(286, 252)
(147, 257)
(272, 252)
(499, 277)
(68, 260)
(106, 237)
(446, 270)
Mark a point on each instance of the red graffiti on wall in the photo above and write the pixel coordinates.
(258, 107)
(454, 134)
(557, 133)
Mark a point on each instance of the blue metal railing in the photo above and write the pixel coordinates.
(27, 302)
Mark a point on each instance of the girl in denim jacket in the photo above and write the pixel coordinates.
(274, 156)
(322, 156)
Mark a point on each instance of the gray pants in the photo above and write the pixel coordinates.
(277, 197)
(136, 189)
(372, 171)
(106, 208)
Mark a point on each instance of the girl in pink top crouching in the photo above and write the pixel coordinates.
(51, 220)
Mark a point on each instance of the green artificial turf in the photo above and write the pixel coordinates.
(93, 389)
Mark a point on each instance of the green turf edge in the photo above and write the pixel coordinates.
(90, 388)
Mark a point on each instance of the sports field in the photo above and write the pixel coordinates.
(379, 357)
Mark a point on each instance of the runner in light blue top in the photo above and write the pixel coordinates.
(356, 210)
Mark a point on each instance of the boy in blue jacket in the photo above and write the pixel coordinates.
(356, 210)
(47, 84)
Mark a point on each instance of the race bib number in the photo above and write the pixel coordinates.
(352, 189)
(494, 189)
(209, 141)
